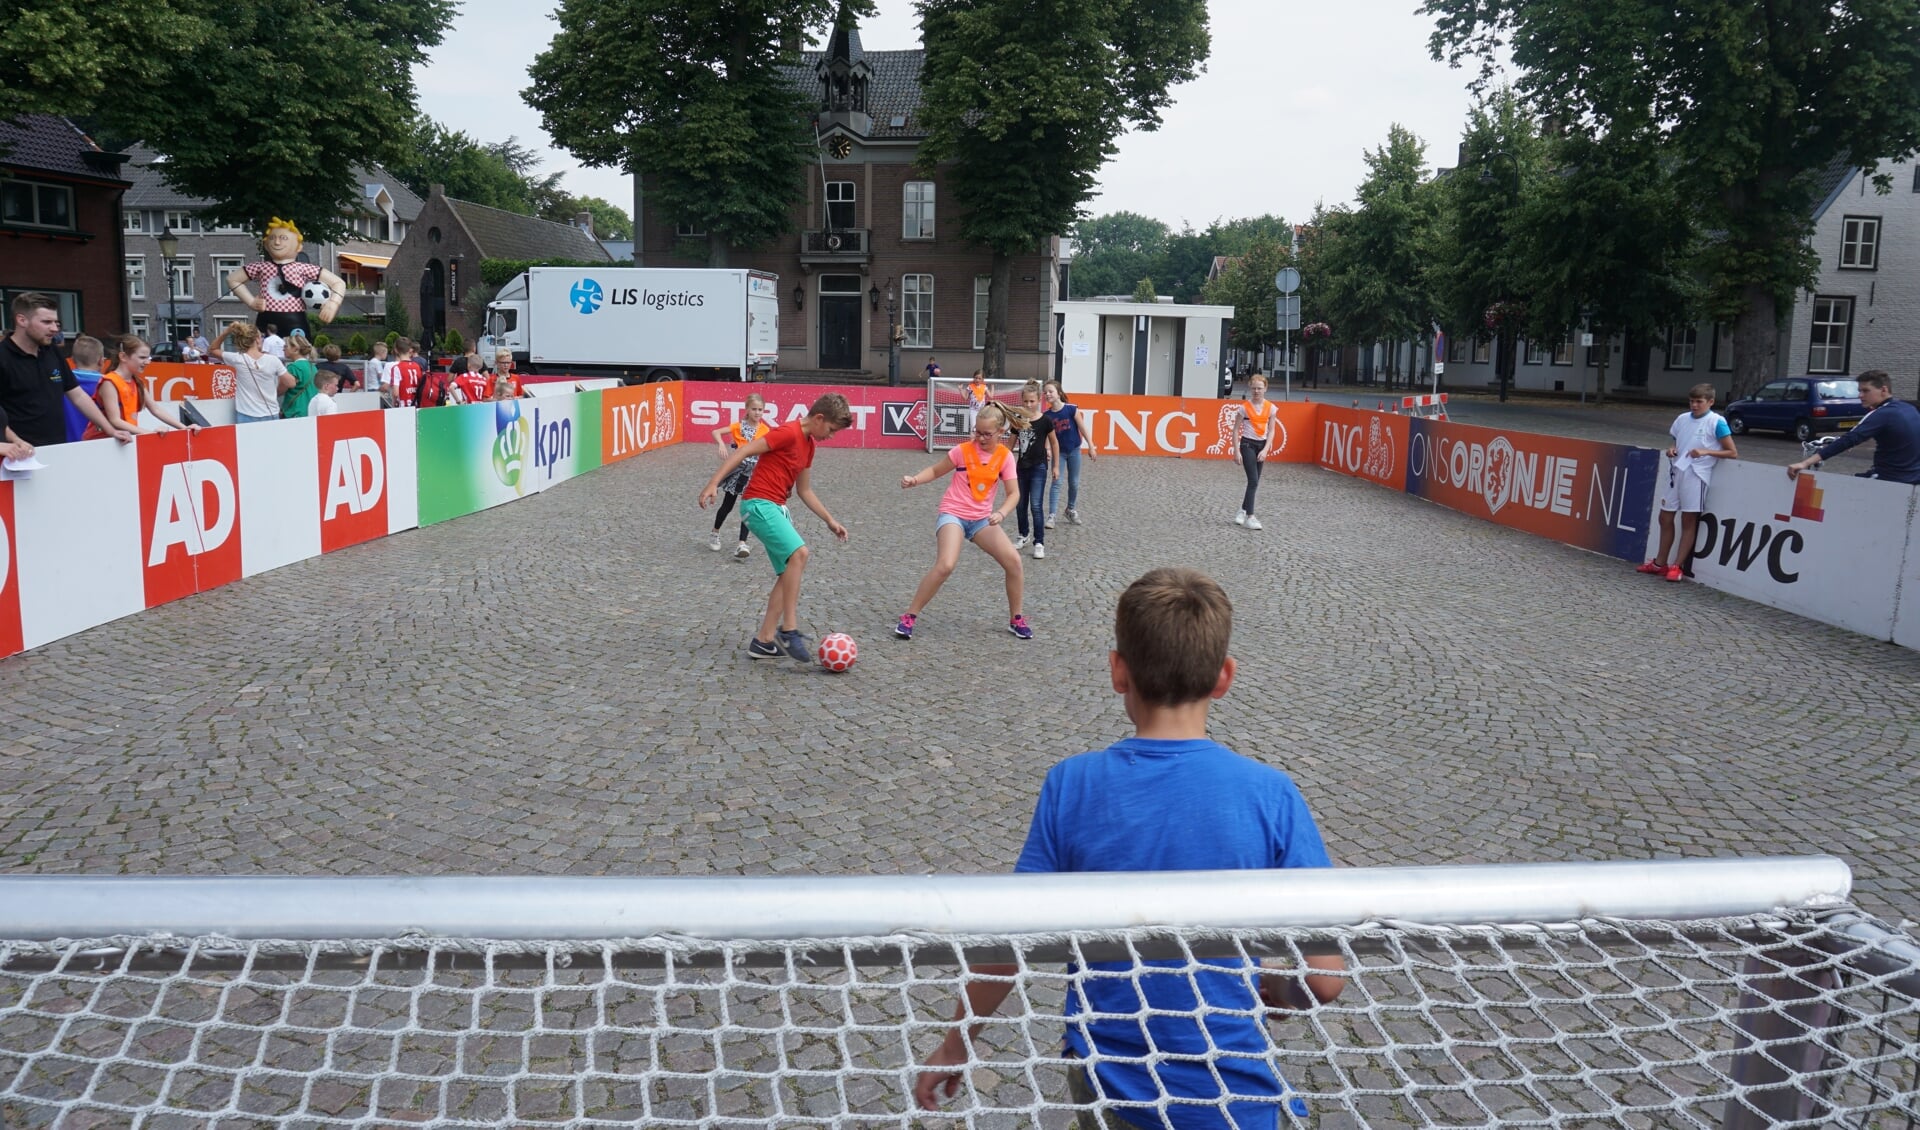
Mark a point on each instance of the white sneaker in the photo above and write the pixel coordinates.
(1049, 520)
(1020, 541)
(1240, 519)
(1039, 550)
(743, 550)
(1073, 517)
(713, 543)
(1253, 523)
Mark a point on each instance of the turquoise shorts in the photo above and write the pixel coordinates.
(773, 525)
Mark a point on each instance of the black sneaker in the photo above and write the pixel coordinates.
(763, 649)
(797, 645)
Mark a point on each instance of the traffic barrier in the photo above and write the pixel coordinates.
(1427, 406)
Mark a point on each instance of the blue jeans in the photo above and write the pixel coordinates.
(1071, 461)
(1033, 501)
(968, 526)
(243, 418)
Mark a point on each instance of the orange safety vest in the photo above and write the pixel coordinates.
(1259, 419)
(982, 475)
(113, 383)
(977, 394)
(742, 439)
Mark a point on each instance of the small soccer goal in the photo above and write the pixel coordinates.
(952, 402)
(1731, 994)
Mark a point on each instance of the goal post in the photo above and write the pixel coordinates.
(1709, 993)
(951, 406)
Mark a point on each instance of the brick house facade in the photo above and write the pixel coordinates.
(60, 223)
(868, 231)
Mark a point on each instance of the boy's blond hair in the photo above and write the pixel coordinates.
(1172, 629)
(87, 352)
(833, 407)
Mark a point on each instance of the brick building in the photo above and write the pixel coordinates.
(870, 231)
(437, 269)
(60, 223)
(177, 262)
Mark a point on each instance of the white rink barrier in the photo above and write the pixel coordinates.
(109, 529)
(1834, 548)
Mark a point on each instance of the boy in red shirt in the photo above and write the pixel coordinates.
(403, 376)
(786, 454)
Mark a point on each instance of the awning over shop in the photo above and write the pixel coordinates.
(377, 262)
(179, 311)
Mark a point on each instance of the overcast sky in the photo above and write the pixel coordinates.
(1292, 96)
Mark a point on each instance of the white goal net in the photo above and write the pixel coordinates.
(953, 401)
(1801, 1015)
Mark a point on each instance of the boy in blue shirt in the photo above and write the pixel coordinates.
(85, 361)
(1166, 799)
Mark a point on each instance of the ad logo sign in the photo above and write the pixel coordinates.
(638, 418)
(353, 478)
(10, 637)
(510, 443)
(189, 512)
(586, 296)
(904, 419)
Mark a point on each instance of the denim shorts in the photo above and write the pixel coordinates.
(968, 526)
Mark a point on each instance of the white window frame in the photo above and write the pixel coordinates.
(1722, 359)
(683, 229)
(841, 193)
(222, 266)
(136, 272)
(1535, 354)
(34, 189)
(1457, 349)
(982, 299)
(180, 221)
(1563, 352)
(227, 229)
(1831, 336)
(67, 302)
(1482, 351)
(133, 220)
(1683, 347)
(916, 311)
(1859, 243)
(141, 327)
(917, 210)
(179, 269)
(222, 321)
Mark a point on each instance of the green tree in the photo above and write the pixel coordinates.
(688, 94)
(1373, 280)
(468, 168)
(357, 345)
(610, 221)
(289, 84)
(1189, 257)
(1237, 237)
(1247, 286)
(1144, 291)
(1109, 250)
(1752, 101)
(1027, 99)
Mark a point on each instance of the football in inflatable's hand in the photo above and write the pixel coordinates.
(315, 294)
(837, 652)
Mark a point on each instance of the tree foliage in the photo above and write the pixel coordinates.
(1372, 270)
(1477, 254)
(690, 95)
(1027, 100)
(263, 108)
(1247, 286)
(1750, 103)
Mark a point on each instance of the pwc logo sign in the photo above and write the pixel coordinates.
(10, 635)
(353, 478)
(189, 512)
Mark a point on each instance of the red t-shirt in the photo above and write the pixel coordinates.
(789, 452)
(404, 376)
(475, 386)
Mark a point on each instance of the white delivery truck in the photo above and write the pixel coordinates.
(638, 323)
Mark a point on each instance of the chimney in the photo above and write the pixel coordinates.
(1462, 162)
(584, 221)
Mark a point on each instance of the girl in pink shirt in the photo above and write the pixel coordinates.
(967, 513)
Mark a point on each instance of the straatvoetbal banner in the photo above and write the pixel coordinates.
(473, 456)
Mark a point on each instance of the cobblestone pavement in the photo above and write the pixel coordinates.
(558, 686)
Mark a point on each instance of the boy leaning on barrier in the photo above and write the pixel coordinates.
(1167, 799)
(1701, 438)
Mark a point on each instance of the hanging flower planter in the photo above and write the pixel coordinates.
(1314, 330)
(1500, 313)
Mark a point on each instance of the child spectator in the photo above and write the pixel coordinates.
(293, 400)
(326, 383)
(122, 392)
(1166, 799)
(376, 372)
(472, 384)
(85, 361)
(403, 376)
(349, 379)
(785, 457)
(506, 386)
(1701, 437)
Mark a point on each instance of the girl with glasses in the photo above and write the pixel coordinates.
(978, 469)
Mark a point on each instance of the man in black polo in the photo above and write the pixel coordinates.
(34, 378)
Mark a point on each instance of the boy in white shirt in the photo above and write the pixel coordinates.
(1700, 437)
(327, 382)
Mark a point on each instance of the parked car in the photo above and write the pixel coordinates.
(1802, 407)
(166, 351)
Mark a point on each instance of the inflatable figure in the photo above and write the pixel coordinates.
(288, 288)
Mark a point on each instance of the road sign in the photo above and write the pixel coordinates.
(1287, 304)
(1287, 281)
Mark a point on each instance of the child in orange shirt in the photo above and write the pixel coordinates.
(967, 514)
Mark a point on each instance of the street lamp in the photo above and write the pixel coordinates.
(169, 242)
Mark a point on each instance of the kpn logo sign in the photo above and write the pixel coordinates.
(587, 296)
(510, 443)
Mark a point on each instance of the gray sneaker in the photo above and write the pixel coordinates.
(797, 645)
(1073, 516)
(763, 649)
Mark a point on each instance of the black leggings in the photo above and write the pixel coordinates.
(727, 499)
(1250, 460)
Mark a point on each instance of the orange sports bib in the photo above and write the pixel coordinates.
(982, 475)
(977, 395)
(742, 439)
(1259, 418)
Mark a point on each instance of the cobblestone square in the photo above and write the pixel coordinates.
(559, 686)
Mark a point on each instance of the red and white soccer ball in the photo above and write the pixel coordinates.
(837, 652)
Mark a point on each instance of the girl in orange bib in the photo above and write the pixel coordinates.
(750, 426)
(967, 513)
(1258, 425)
(122, 393)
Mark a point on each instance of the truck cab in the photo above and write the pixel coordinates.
(506, 323)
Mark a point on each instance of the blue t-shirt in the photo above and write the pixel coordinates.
(1895, 429)
(1066, 425)
(76, 423)
(1145, 805)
